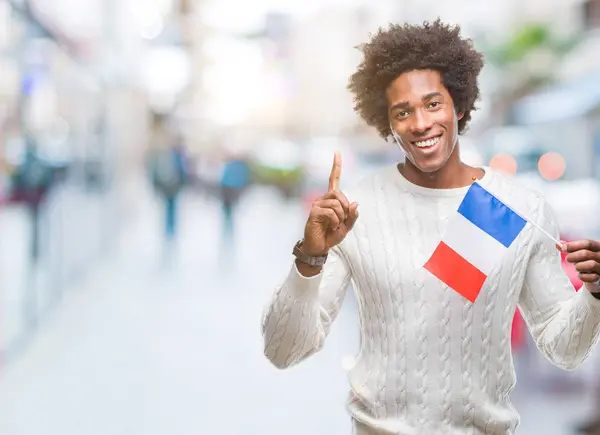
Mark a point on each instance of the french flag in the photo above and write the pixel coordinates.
(478, 235)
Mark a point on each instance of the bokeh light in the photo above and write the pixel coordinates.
(504, 163)
(552, 166)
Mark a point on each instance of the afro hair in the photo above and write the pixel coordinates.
(403, 48)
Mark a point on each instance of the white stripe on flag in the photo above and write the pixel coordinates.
(473, 244)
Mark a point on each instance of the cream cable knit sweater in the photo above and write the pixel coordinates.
(430, 362)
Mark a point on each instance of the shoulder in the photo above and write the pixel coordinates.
(524, 199)
(513, 192)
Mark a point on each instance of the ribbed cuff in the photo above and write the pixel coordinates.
(589, 300)
(303, 287)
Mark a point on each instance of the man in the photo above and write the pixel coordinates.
(234, 180)
(430, 361)
(32, 182)
(169, 177)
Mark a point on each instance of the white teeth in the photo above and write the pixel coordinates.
(427, 143)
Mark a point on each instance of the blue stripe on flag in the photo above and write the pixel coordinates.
(491, 215)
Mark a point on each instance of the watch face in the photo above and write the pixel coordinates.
(319, 261)
(306, 259)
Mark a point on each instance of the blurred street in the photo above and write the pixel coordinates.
(148, 347)
(144, 345)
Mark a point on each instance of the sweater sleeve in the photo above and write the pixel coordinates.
(300, 314)
(563, 322)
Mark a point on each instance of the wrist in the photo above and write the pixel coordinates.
(308, 250)
(308, 264)
(593, 288)
(595, 293)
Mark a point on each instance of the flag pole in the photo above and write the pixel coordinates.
(546, 233)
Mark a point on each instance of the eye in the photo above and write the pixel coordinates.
(434, 104)
(402, 114)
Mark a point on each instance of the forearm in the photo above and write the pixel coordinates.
(563, 323)
(292, 327)
(300, 314)
(567, 335)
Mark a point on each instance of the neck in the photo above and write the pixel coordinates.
(452, 175)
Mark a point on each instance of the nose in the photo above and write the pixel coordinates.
(422, 122)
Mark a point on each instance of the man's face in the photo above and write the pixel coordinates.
(422, 115)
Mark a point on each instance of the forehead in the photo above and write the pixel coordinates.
(411, 86)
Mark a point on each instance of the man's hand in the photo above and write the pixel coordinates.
(331, 216)
(585, 255)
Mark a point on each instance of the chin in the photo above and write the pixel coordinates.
(432, 162)
(430, 167)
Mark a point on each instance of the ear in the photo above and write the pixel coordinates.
(460, 116)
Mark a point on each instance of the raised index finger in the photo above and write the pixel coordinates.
(336, 172)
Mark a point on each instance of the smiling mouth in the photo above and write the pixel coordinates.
(427, 143)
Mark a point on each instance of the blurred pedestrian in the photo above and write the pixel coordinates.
(431, 360)
(234, 180)
(31, 181)
(169, 176)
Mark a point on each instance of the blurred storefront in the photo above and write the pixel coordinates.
(566, 119)
(73, 93)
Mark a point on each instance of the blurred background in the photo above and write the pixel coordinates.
(157, 162)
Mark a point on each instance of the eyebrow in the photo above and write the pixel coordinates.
(405, 104)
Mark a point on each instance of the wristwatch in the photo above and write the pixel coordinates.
(307, 259)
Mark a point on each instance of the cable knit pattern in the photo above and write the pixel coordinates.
(467, 358)
(429, 360)
(444, 338)
(422, 363)
(486, 330)
(387, 335)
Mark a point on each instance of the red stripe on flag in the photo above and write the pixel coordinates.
(455, 271)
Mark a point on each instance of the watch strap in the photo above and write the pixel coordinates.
(307, 259)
